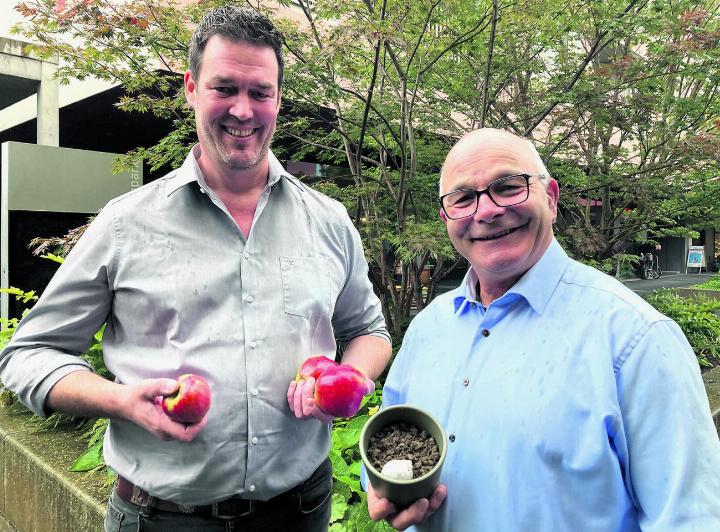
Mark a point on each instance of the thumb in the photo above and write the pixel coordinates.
(369, 386)
(159, 387)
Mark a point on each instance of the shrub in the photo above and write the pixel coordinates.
(699, 319)
(710, 284)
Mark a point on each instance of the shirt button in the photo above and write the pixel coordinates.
(253, 345)
(452, 437)
(202, 190)
(485, 333)
(247, 255)
(252, 487)
(254, 440)
(254, 391)
(250, 299)
(472, 305)
(466, 382)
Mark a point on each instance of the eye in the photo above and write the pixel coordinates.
(224, 90)
(461, 198)
(509, 187)
(260, 95)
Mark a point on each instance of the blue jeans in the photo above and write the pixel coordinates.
(311, 513)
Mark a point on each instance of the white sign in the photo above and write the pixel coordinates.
(696, 257)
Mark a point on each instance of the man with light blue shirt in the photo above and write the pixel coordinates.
(230, 268)
(570, 404)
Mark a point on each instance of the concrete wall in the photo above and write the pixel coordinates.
(37, 492)
(43, 178)
(17, 68)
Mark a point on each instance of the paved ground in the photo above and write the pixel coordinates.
(667, 280)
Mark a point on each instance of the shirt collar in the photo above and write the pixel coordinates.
(190, 171)
(536, 286)
(466, 293)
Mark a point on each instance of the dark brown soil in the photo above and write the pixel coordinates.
(402, 441)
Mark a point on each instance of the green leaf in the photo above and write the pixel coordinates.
(360, 521)
(343, 473)
(90, 459)
(339, 507)
(53, 257)
(349, 435)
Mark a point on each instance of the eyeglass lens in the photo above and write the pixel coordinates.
(503, 192)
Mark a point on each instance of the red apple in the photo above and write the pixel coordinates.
(314, 367)
(339, 390)
(191, 402)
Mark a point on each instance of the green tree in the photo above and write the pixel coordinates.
(621, 97)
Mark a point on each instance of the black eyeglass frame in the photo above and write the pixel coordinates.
(486, 190)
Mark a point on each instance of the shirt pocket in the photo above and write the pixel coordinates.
(305, 286)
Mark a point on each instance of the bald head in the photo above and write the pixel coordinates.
(478, 140)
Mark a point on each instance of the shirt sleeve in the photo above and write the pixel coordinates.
(49, 339)
(672, 466)
(358, 310)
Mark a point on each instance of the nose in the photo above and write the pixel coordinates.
(487, 211)
(241, 108)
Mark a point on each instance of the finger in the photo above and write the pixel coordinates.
(437, 498)
(291, 395)
(307, 397)
(184, 432)
(369, 386)
(412, 515)
(379, 508)
(190, 431)
(152, 388)
(319, 413)
(297, 399)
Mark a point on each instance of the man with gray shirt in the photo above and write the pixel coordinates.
(229, 268)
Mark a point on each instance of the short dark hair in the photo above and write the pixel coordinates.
(237, 24)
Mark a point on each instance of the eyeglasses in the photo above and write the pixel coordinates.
(503, 192)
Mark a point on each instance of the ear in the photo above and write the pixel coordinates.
(553, 193)
(190, 89)
(443, 216)
(279, 98)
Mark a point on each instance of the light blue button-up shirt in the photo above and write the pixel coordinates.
(570, 404)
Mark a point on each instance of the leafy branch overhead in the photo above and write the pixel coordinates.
(620, 96)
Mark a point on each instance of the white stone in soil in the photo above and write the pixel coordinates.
(398, 469)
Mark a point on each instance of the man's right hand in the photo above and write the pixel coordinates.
(143, 406)
(84, 393)
(417, 512)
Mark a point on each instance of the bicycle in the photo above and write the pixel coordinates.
(650, 266)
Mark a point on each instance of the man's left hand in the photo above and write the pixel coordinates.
(301, 400)
(418, 512)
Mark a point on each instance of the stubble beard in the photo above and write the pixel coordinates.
(234, 163)
(223, 155)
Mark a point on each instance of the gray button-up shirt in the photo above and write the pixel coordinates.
(183, 291)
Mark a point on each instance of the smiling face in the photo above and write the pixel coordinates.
(236, 100)
(501, 243)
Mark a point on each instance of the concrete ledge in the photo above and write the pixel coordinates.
(712, 387)
(698, 292)
(37, 491)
